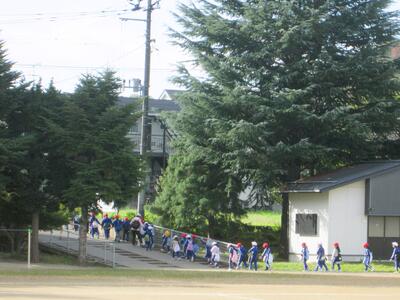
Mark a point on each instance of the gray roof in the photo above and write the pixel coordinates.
(155, 105)
(173, 93)
(343, 176)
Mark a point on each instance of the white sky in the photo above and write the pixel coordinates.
(62, 39)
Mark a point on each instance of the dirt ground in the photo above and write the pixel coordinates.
(275, 286)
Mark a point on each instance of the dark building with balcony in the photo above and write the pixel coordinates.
(160, 137)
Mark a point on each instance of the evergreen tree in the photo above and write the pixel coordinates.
(292, 87)
(196, 194)
(24, 150)
(95, 157)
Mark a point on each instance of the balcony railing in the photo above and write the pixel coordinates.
(156, 143)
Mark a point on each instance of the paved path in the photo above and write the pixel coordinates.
(126, 255)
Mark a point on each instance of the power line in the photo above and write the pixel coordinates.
(35, 15)
(66, 17)
(89, 67)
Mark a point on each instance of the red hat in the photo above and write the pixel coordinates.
(183, 235)
(126, 219)
(238, 245)
(335, 244)
(265, 245)
(366, 245)
(194, 236)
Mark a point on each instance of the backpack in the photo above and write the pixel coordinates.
(135, 224)
(270, 259)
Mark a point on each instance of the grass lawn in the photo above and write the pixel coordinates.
(45, 258)
(263, 218)
(346, 267)
(208, 275)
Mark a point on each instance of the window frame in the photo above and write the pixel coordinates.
(298, 226)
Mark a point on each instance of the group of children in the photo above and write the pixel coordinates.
(336, 257)
(187, 246)
(136, 229)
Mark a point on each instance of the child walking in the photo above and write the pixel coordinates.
(321, 259)
(305, 255)
(215, 254)
(106, 223)
(253, 256)
(336, 257)
(176, 248)
(189, 248)
(267, 256)
(367, 258)
(233, 257)
(117, 224)
(94, 225)
(242, 252)
(396, 256)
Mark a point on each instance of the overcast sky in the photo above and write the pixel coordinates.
(62, 39)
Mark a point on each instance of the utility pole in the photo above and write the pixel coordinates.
(145, 133)
(145, 138)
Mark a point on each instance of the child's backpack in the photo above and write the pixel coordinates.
(235, 257)
(135, 224)
(147, 238)
(270, 259)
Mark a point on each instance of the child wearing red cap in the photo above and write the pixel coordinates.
(305, 255)
(117, 224)
(336, 257)
(126, 227)
(106, 223)
(367, 258)
(267, 256)
(242, 252)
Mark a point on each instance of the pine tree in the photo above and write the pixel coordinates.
(292, 87)
(24, 108)
(197, 195)
(95, 157)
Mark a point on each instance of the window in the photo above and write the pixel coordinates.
(392, 227)
(376, 226)
(306, 224)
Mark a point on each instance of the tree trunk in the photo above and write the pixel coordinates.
(35, 237)
(83, 236)
(284, 240)
(292, 175)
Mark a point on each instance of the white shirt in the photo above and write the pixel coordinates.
(215, 252)
(175, 246)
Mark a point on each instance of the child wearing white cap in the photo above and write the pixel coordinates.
(396, 256)
(253, 256)
(215, 254)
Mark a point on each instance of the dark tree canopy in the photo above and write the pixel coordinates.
(291, 88)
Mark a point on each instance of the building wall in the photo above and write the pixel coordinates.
(384, 198)
(348, 224)
(308, 203)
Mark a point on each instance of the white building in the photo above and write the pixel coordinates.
(351, 206)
